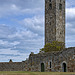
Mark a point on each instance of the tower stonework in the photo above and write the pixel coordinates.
(54, 21)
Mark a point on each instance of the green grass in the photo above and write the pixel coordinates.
(34, 73)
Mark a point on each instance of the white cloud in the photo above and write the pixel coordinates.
(34, 24)
(70, 26)
(23, 34)
(70, 12)
(70, 3)
(7, 54)
(3, 42)
(20, 43)
(15, 43)
(6, 43)
(19, 7)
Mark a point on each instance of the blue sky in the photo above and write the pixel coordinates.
(22, 28)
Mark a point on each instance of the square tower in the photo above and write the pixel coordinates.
(54, 21)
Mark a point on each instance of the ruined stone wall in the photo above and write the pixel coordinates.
(57, 59)
(12, 66)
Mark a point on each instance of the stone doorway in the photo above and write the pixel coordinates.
(42, 67)
(64, 67)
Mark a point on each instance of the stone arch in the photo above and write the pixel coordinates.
(42, 67)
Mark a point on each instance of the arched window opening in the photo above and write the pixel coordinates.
(50, 65)
(50, 0)
(64, 67)
(60, 6)
(50, 6)
(42, 67)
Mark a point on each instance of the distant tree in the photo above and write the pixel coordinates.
(54, 46)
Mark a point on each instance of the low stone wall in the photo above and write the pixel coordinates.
(12, 66)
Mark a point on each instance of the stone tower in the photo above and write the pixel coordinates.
(54, 21)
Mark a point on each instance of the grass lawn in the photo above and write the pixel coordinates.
(35, 73)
